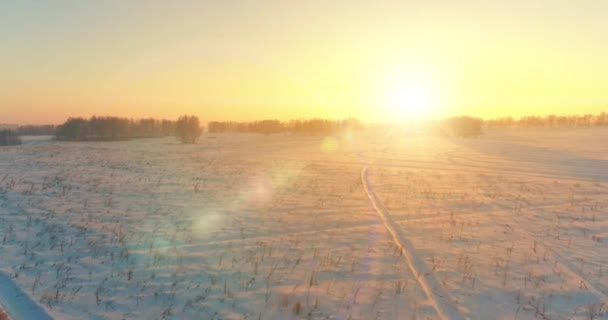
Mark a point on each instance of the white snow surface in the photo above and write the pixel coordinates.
(17, 303)
(378, 224)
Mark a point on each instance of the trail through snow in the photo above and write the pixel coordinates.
(17, 303)
(440, 299)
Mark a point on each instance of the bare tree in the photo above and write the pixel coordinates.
(188, 129)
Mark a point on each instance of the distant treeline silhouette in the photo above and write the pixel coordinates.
(113, 128)
(463, 126)
(9, 138)
(37, 130)
(550, 121)
(309, 126)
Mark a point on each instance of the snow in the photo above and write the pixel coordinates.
(441, 300)
(17, 303)
(379, 224)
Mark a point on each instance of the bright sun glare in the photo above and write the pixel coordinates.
(411, 97)
(411, 101)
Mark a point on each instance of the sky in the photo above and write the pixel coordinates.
(246, 60)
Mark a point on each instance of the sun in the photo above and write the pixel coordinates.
(409, 96)
(410, 100)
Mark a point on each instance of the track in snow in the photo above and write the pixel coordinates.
(440, 299)
(18, 303)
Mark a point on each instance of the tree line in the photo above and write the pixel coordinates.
(9, 138)
(36, 130)
(466, 126)
(306, 126)
(552, 120)
(463, 126)
(113, 129)
(188, 128)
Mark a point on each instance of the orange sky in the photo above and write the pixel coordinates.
(244, 60)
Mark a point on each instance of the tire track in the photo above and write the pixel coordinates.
(20, 305)
(438, 296)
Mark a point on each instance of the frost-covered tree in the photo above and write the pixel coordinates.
(188, 129)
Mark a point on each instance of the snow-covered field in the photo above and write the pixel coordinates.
(390, 224)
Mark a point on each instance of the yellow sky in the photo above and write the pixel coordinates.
(243, 60)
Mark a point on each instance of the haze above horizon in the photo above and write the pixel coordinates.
(245, 60)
